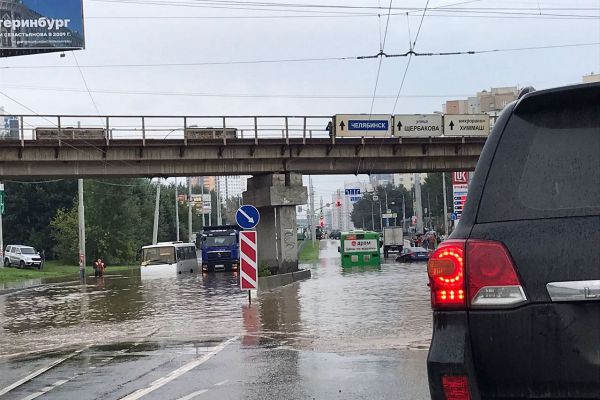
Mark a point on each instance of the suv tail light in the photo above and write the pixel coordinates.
(456, 387)
(446, 270)
(478, 270)
(493, 280)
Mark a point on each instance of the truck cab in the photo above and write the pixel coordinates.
(220, 248)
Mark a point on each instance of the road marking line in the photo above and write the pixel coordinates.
(178, 372)
(192, 395)
(46, 389)
(222, 383)
(38, 372)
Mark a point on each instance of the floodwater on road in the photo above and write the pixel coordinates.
(353, 309)
(343, 334)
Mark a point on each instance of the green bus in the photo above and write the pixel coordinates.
(360, 248)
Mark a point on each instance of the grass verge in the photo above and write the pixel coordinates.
(52, 269)
(309, 252)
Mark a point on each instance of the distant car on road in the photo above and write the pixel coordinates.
(22, 257)
(516, 288)
(413, 254)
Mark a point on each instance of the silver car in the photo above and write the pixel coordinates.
(22, 257)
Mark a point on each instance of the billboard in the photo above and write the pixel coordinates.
(40, 26)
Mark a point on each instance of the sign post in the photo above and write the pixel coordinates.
(248, 262)
(460, 188)
(466, 125)
(423, 125)
(361, 125)
(247, 217)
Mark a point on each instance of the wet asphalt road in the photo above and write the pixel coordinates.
(357, 334)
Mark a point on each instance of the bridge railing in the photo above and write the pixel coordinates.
(88, 127)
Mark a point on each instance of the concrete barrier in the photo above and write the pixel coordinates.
(275, 281)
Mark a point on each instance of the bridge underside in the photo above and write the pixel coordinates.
(160, 158)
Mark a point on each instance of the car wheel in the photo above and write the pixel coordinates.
(22, 264)
(6, 262)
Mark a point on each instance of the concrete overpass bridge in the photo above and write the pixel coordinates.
(115, 146)
(277, 150)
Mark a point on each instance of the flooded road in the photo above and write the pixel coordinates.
(118, 336)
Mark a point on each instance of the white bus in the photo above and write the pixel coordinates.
(169, 258)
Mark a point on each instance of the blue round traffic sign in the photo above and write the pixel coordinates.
(247, 216)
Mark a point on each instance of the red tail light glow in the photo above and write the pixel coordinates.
(446, 270)
(456, 387)
(479, 271)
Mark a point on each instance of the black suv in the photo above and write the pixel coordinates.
(516, 288)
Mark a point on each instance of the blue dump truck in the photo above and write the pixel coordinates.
(220, 248)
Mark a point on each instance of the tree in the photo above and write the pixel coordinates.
(65, 232)
(29, 209)
(365, 214)
(433, 197)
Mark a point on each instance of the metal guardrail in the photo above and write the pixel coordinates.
(122, 127)
(88, 127)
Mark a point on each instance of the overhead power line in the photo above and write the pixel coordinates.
(299, 60)
(378, 8)
(226, 95)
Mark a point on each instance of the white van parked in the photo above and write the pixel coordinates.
(169, 258)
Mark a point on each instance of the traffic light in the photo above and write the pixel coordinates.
(338, 203)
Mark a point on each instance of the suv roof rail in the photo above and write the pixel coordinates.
(525, 90)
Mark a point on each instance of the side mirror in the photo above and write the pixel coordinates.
(339, 249)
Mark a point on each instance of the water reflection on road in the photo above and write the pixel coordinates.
(337, 309)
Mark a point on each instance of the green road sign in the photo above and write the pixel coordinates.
(2, 202)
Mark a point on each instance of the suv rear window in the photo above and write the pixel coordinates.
(547, 164)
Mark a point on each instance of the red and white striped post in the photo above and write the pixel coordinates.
(248, 262)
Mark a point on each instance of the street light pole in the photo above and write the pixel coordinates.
(372, 215)
(380, 217)
(156, 214)
(190, 210)
(176, 211)
(445, 204)
(81, 231)
(403, 214)
(387, 220)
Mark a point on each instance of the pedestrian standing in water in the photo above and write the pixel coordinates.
(99, 268)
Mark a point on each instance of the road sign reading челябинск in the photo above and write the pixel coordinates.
(248, 260)
(359, 125)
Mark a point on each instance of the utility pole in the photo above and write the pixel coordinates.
(387, 220)
(176, 211)
(372, 215)
(156, 214)
(428, 210)
(202, 194)
(403, 214)
(190, 210)
(445, 204)
(340, 208)
(219, 216)
(380, 217)
(313, 228)
(418, 205)
(81, 230)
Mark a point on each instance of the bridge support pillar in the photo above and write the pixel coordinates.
(276, 196)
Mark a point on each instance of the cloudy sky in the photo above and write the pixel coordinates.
(126, 39)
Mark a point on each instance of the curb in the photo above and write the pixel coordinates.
(275, 281)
